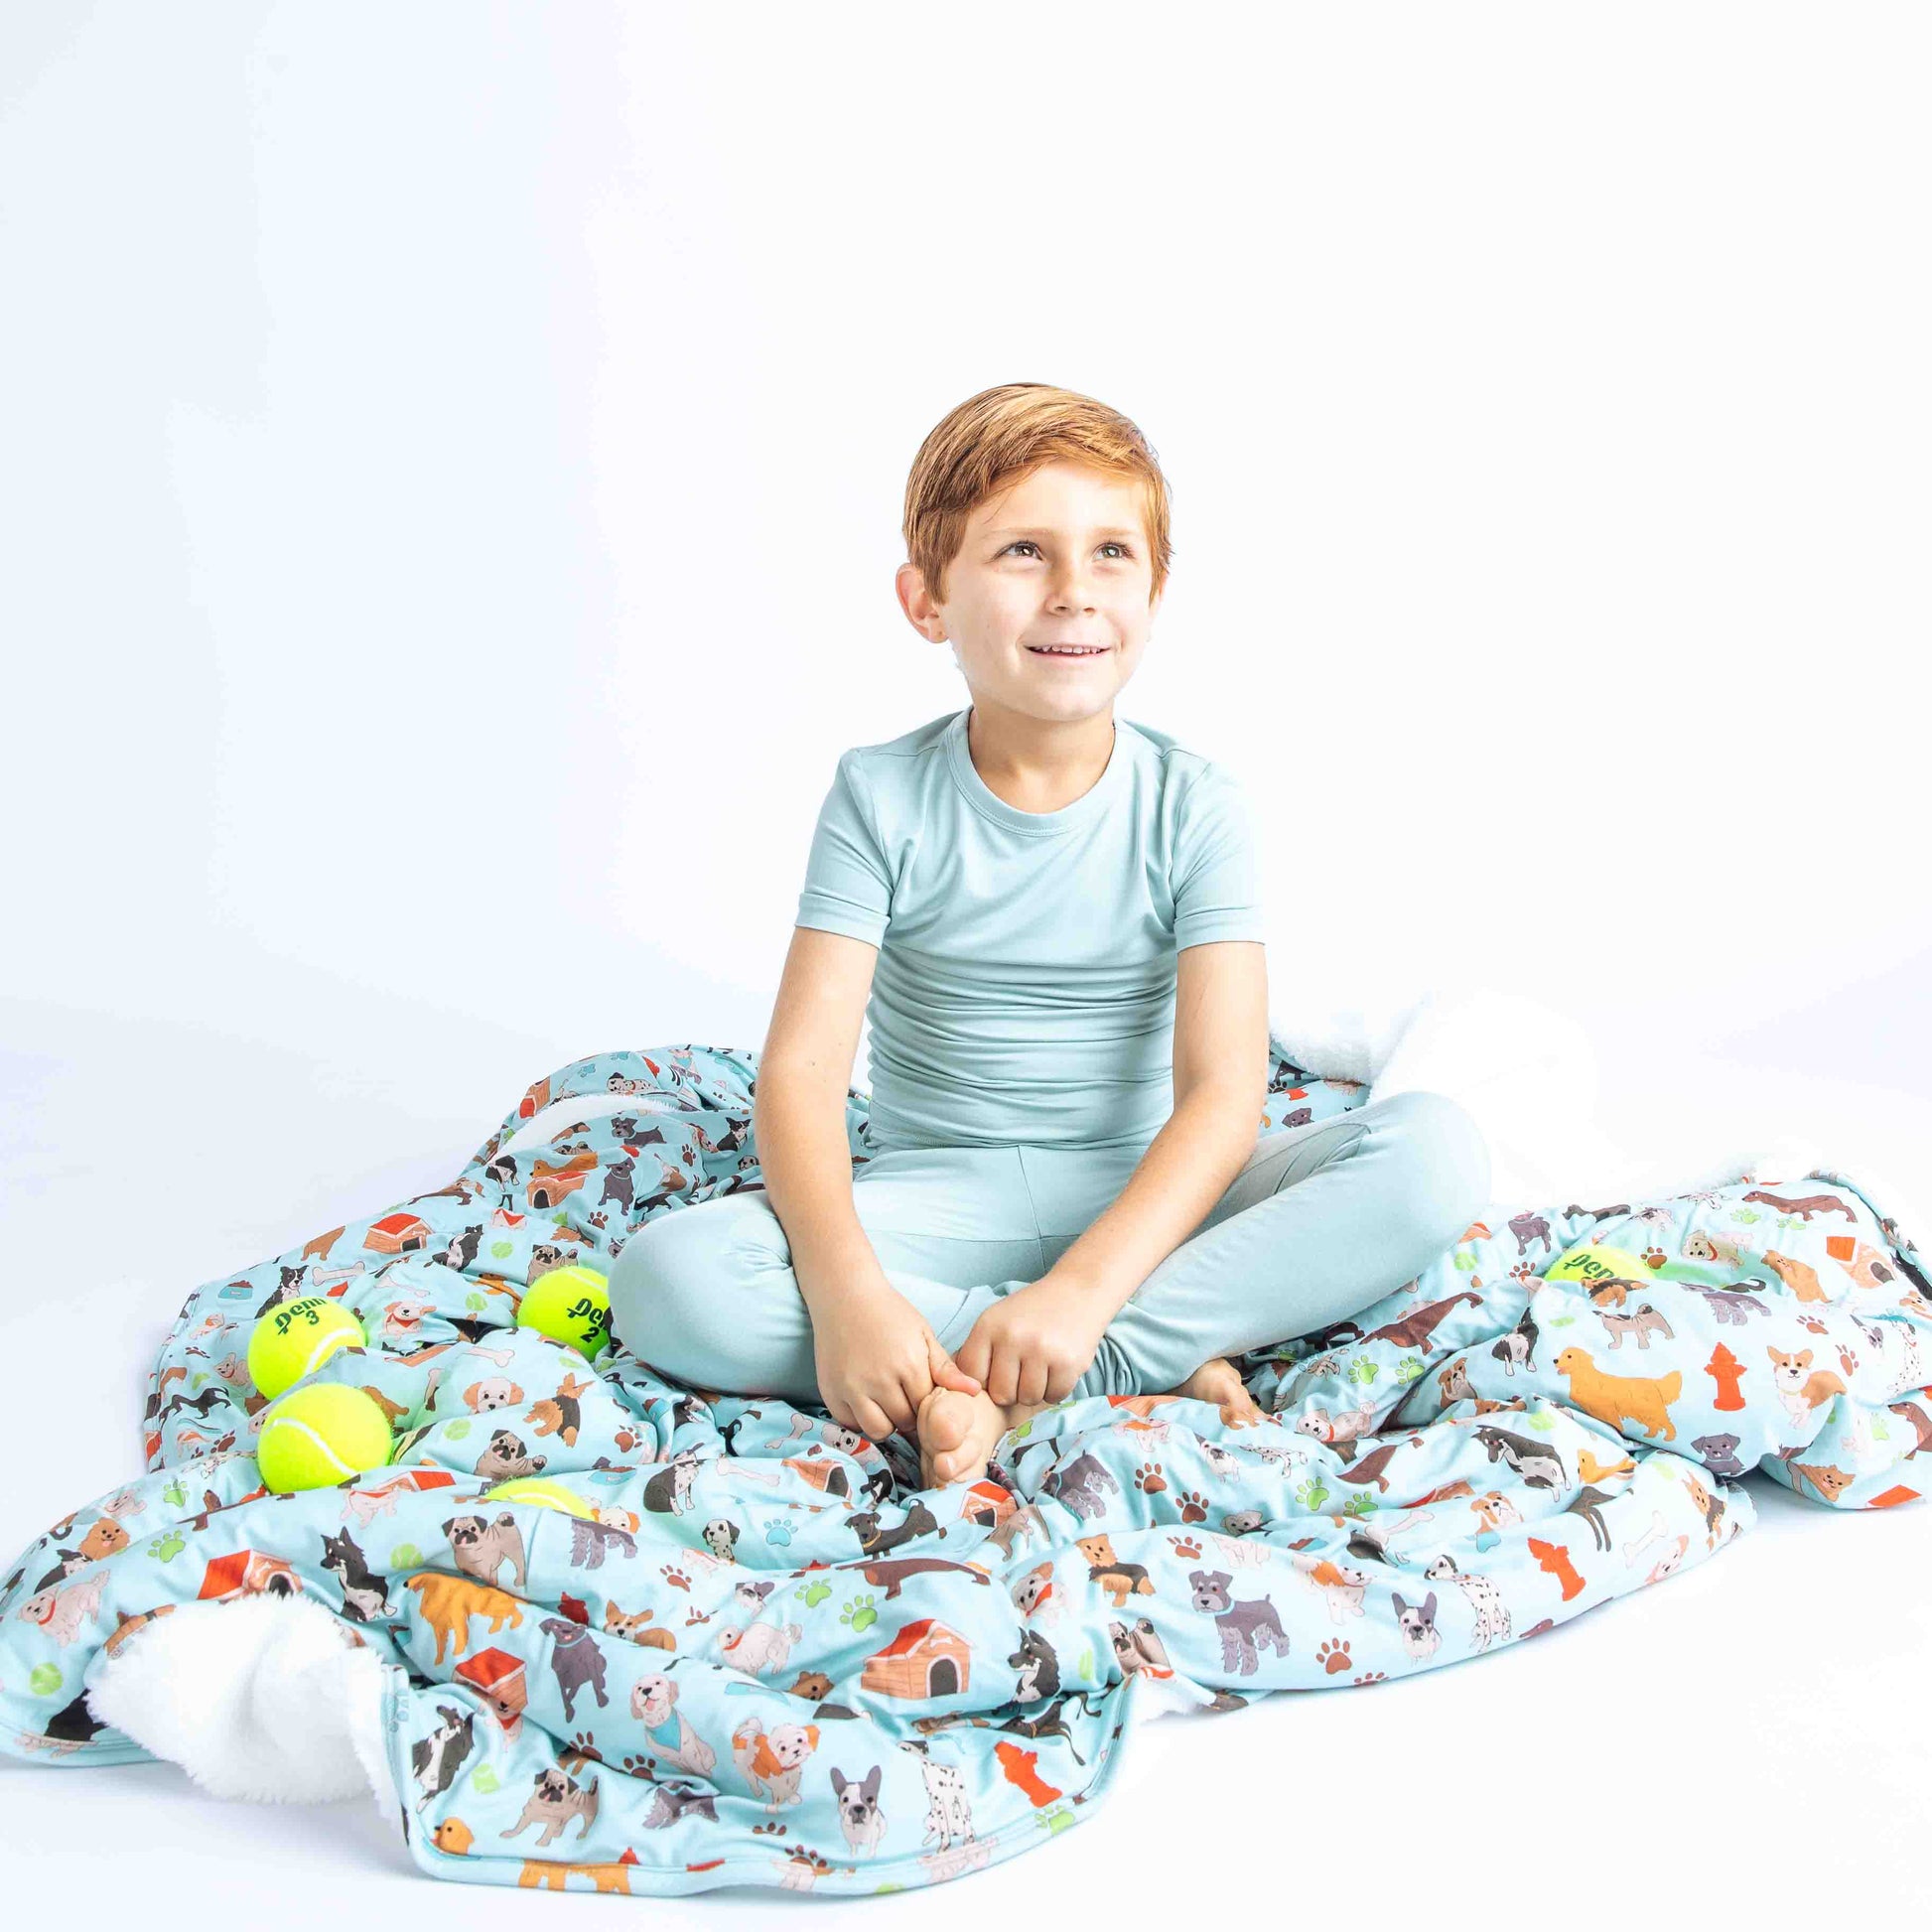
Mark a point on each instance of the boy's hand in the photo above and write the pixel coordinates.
(875, 1360)
(1034, 1344)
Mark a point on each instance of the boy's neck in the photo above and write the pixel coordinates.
(1038, 765)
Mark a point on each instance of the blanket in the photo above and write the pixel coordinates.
(733, 1641)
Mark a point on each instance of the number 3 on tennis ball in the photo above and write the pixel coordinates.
(572, 1306)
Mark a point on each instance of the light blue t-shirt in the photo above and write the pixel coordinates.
(1024, 986)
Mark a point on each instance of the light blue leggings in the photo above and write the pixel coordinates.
(1321, 1221)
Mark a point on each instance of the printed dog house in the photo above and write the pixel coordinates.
(248, 1572)
(548, 1187)
(925, 1660)
(499, 1675)
(396, 1234)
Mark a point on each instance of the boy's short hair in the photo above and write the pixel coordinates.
(995, 437)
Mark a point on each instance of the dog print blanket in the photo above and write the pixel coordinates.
(731, 1641)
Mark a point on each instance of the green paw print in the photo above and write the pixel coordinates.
(1361, 1503)
(1408, 1368)
(168, 1546)
(175, 1494)
(45, 1680)
(1312, 1494)
(859, 1614)
(814, 1594)
(1362, 1370)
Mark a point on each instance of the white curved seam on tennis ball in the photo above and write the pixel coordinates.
(326, 1346)
(308, 1428)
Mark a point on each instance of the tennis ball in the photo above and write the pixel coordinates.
(296, 1339)
(1592, 1265)
(570, 1305)
(536, 1489)
(321, 1436)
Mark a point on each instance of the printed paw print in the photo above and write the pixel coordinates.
(1525, 1271)
(1147, 1477)
(1373, 1677)
(1333, 1656)
(1812, 1323)
(585, 1746)
(1361, 1503)
(1193, 1506)
(774, 1828)
(779, 1530)
(815, 1593)
(633, 1766)
(1362, 1370)
(675, 1576)
(860, 1615)
(1187, 1548)
(1653, 1257)
(168, 1546)
(1408, 1368)
(1312, 1494)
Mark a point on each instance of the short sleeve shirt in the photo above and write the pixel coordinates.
(1024, 986)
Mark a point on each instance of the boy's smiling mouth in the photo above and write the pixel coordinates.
(1069, 650)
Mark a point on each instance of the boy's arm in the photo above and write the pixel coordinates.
(799, 1109)
(1220, 1085)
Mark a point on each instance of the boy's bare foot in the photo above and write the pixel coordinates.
(1219, 1381)
(957, 1431)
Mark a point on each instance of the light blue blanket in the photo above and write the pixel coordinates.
(767, 1657)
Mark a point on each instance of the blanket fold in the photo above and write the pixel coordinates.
(734, 1642)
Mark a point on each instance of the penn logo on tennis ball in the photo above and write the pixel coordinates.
(571, 1304)
(1593, 1264)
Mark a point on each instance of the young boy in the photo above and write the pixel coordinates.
(1048, 915)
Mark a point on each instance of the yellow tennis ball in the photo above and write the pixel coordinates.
(537, 1490)
(1592, 1265)
(321, 1436)
(296, 1339)
(570, 1305)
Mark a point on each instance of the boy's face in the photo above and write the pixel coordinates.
(1058, 558)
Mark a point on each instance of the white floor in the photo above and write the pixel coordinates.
(1747, 1740)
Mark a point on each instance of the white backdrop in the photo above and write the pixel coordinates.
(451, 466)
(455, 459)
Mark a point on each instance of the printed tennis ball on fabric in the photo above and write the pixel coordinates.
(1591, 1264)
(296, 1339)
(538, 1489)
(318, 1437)
(570, 1305)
